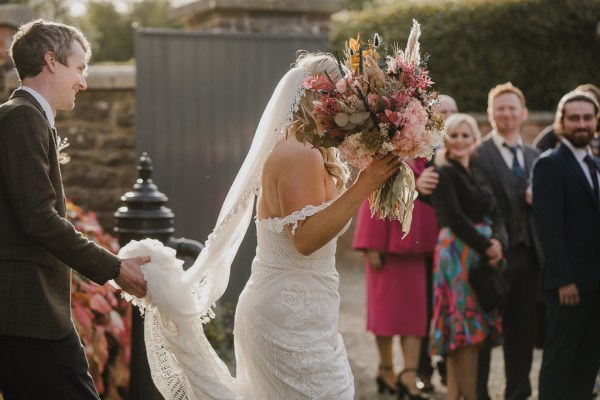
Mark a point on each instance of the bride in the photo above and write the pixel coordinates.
(287, 345)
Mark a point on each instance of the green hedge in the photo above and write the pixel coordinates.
(545, 47)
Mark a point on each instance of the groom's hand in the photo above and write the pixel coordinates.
(130, 278)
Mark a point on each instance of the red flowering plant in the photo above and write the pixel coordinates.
(379, 105)
(101, 316)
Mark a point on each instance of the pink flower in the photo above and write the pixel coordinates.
(373, 101)
(386, 102)
(349, 153)
(393, 117)
(341, 86)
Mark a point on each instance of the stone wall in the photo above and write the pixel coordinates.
(101, 133)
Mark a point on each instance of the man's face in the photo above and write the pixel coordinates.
(507, 113)
(579, 123)
(70, 77)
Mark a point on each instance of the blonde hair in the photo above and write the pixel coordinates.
(335, 167)
(317, 64)
(574, 95)
(451, 123)
(503, 88)
(590, 88)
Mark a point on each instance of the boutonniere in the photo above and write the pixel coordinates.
(61, 144)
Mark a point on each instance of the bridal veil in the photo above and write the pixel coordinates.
(182, 361)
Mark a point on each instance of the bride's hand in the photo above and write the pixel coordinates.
(378, 172)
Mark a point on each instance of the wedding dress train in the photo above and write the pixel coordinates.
(287, 344)
(286, 339)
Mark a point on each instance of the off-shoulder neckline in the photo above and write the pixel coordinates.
(307, 207)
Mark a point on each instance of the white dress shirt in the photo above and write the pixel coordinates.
(43, 102)
(506, 153)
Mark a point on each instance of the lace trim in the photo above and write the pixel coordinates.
(276, 224)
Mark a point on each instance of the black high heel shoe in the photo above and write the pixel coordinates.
(382, 385)
(404, 393)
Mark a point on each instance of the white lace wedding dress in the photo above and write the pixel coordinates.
(286, 326)
(287, 344)
(286, 339)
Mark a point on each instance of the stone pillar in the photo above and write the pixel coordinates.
(289, 16)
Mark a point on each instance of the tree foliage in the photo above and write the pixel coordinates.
(109, 31)
(544, 47)
(112, 32)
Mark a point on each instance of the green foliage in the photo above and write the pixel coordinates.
(112, 32)
(152, 14)
(109, 31)
(219, 331)
(545, 47)
(357, 4)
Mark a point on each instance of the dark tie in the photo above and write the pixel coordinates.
(594, 174)
(516, 167)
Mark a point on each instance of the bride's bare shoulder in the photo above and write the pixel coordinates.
(291, 154)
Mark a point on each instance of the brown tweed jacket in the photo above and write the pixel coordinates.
(37, 244)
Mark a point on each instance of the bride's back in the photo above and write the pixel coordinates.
(294, 175)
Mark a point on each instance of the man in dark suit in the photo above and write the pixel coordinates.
(506, 161)
(566, 205)
(41, 356)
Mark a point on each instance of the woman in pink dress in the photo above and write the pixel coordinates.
(396, 287)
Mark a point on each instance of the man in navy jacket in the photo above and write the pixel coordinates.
(566, 205)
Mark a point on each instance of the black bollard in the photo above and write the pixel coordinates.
(144, 215)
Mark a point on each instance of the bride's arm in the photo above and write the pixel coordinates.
(302, 182)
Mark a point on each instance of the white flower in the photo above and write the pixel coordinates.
(61, 144)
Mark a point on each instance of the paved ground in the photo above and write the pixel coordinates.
(363, 353)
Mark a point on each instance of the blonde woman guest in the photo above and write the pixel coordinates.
(471, 230)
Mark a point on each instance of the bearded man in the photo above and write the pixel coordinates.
(566, 206)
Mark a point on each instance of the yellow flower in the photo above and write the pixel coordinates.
(354, 45)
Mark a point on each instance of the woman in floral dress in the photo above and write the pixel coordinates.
(471, 230)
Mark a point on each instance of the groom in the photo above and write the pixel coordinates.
(40, 352)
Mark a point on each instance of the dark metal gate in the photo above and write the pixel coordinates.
(199, 98)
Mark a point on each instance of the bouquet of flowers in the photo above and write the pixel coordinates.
(380, 104)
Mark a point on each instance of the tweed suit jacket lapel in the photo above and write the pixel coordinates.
(55, 175)
(27, 96)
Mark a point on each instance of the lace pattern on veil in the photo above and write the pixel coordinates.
(183, 363)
